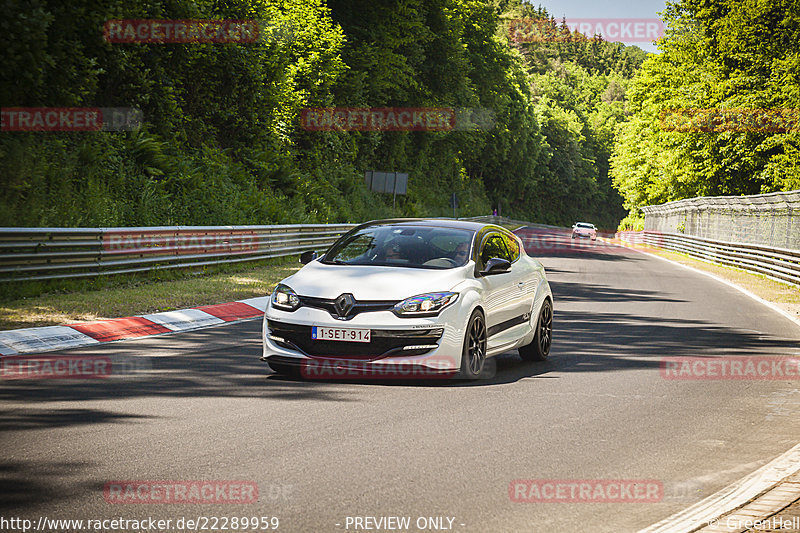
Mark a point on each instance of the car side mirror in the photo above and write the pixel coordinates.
(307, 257)
(496, 265)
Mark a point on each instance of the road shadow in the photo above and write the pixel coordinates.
(565, 291)
(582, 342)
(223, 362)
(604, 342)
(27, 483)
(19, 419)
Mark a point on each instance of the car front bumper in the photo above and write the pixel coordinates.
(433, 344)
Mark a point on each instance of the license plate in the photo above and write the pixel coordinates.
(340, 334)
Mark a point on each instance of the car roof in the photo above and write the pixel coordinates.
(433, 222)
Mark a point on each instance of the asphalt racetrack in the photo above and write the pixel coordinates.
(201, 406)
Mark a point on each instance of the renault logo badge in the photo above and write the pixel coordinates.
(344, 304)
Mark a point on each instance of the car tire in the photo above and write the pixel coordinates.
(473, 353)
(539, 349)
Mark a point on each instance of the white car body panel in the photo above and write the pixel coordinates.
(371, 282)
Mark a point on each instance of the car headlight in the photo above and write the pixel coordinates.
(429, 304)
(283, 297)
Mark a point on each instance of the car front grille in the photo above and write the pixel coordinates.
(363, 306)
(383, 343)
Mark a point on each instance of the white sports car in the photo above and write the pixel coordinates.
(584, 229)
(412, 298)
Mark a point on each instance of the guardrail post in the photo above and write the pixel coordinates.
(772, 228)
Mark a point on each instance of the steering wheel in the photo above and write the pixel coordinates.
(438, 262)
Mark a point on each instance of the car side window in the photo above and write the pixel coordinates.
(494, 247)
(512, 246)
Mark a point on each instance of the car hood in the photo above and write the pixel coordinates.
(372, 282)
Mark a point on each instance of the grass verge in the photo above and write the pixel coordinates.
(138, 295)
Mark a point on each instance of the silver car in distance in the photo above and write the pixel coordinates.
(410, 298)
(584, 229)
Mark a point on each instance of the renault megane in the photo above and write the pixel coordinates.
(437, 295)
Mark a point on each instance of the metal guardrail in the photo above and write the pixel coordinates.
(632, 237)
(29, 254)
(780, 264)
(32, 254)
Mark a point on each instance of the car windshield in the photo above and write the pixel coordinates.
(584, 225)
(403, 246)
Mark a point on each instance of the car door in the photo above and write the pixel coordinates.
(500, 291)
(524, 277)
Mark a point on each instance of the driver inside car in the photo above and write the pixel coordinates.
(394, 252)
(461, 255)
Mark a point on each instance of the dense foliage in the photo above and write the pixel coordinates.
(722, 54)
(221, 143)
